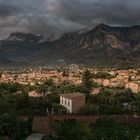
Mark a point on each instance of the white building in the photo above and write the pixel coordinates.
(73, 101)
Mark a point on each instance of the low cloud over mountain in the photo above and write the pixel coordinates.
(58, 16)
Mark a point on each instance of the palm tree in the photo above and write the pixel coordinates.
(44, 89)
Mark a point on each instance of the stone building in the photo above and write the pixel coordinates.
(134, 86)
(73, 101)
(34, 93)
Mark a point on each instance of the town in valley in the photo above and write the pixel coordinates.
(69, 70)
(44, 95)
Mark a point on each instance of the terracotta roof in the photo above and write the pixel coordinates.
(137, 82)
(72, 95)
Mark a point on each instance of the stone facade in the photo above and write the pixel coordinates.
(43, 124)
(134, 86)
(73, 101)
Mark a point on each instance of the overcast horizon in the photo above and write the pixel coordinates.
(58, 16)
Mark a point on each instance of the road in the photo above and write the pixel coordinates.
(35, 137)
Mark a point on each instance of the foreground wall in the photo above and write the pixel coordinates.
(42, 124)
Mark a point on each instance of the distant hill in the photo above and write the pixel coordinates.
(103, 46)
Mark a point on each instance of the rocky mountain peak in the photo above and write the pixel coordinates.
(102, 27)
(102, 46)
(21, 36)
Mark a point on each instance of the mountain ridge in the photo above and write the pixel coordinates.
(102, 46)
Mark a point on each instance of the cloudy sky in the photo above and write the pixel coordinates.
(57, 16)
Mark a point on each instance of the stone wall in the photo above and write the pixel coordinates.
(42, 124)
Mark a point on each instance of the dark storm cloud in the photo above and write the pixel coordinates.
(7, 9)
(124, 12)
(55, 16)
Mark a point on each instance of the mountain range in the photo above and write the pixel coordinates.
(102, 46)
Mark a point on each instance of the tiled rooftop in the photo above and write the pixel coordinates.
(72, 95)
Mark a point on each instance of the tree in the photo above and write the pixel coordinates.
(89, 109)
(0, 74)
(65, 73)
(87, 80)
(110, 130)
(44, 89)
(12, 128)
(104, 75)
(70, 130)
(49, 82)
(22, 101)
